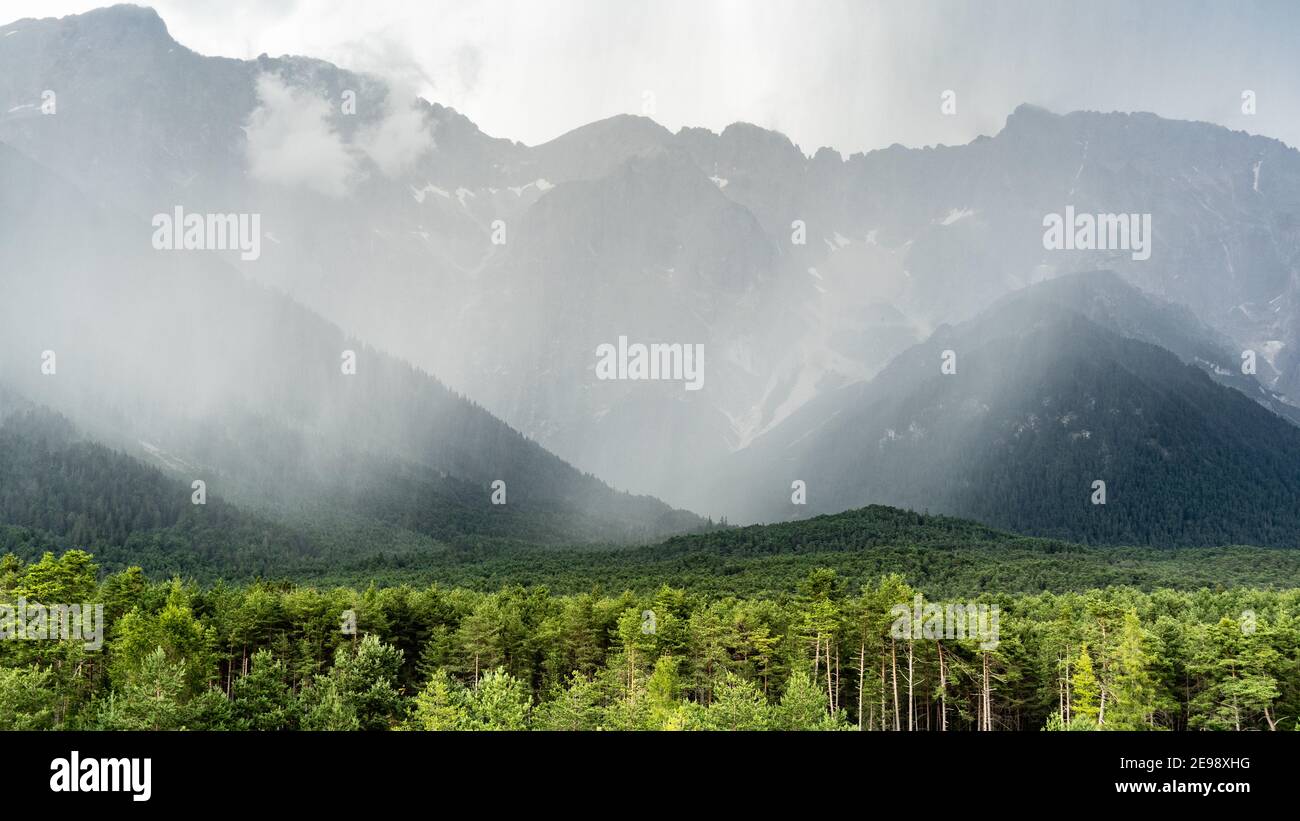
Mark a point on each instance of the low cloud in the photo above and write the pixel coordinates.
(292, 140)
(292, 143)
(400, 138)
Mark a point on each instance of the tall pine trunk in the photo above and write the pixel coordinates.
(862, 674)
(830, 693)
(986, 696)
(883, 711)
(943, 693)
(893, 665)
(911, 706)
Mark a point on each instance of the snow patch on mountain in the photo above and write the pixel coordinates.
(421, 194)
(1271, 349)
(540, 184)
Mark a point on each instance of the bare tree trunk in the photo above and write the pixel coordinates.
(911, 704)
(1060, 691)
(862, 673)
(837, 681)
(893, 665)
(830, 693)
(883, 711)
(988, 701)
(943, 693)
(1069, 693)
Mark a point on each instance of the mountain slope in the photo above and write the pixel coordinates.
(60, 491)
(1104, 298)
(1043, 403)
(173, 356)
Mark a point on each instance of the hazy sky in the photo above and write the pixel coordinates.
(851, 75)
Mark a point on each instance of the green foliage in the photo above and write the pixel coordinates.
(737, 704)
(262, 699)
(822, 656)
(803, 705)
(942, 555)
(1134, 688)
(153, 697)
(325, 708)
(365, 679)
(441, 705)
(26, 699)
(1085, 704)
(499, 702)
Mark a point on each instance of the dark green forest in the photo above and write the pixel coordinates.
(825, 656)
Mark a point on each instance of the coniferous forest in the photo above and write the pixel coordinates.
(827, 655)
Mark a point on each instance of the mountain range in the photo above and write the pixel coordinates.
(473, 279)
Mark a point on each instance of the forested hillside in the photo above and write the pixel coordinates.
(59, 489)
(1040, 404)
(944, 555)
(828, 657)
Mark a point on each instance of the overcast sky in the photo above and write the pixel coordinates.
(851, 75)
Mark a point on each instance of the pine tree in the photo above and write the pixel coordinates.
(802, 706)
(576, 707)
(323, 707)
(153, 699)
(737, 705)
(1085, 689)
(366, 679)
(500, 702)
(262, 699)
(1133, 688)
(441, 705)
(27, 699)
